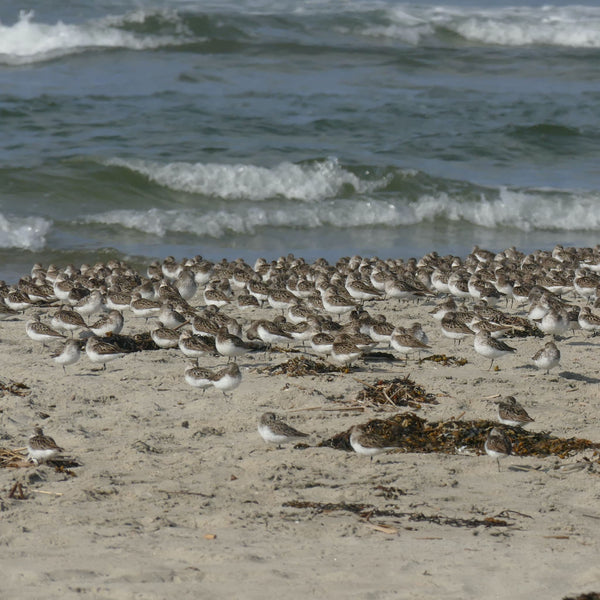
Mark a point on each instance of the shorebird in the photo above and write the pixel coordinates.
(228, 378)
(110, 323)
(40, 332)
(230, 345)
(368, 444)
(101, 351)
(199, 377)
(547, 357)
(497, 445)
(275, 431)
(510, 412)
(41, 448)
(69, 354)
(489, 347)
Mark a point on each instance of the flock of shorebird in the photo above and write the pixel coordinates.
(319, 305)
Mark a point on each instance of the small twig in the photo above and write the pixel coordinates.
(48, 493)
(17, 489)
(387, 398)
(383, 528)
(508, 512)
(186, 493)
(365, 383)
(324, 409)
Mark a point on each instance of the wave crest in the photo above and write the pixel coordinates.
(307, 183)
(29, 42)
(27, 233)
(524, 210)
(568, 26)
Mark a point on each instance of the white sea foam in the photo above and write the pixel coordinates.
(571, 26)
(28, 233)
(28, 41)
(308, 183)
(523, 210)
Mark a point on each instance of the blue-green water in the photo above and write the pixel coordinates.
(320, 128)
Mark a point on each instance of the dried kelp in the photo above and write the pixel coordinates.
(10, 458)
(15, 388)
(411, 433)
(445, 361)
(391, 430)
(368, 511)
(521, 327)
(300, 366)
(133, 343)
(588, 596)
(395, 392)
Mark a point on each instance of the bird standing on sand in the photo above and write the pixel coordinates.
(275, 431)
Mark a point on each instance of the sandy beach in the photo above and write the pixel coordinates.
(173, 493)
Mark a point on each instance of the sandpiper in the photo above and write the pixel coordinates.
(275, 431)
(194, 346)
(227, 379)
(215, 297)
(337, 304)
(41, 448)
(198, 377)
(68, 355)
(547, 357)
(510, 412)
(489, 347)
(344, 351)
(381, 331)
(101, 351)
(164, 337)
(40, 332)
(67, 320)
(270, 333)
(368, 444)
(142, 307)
(405, 343)
(5, 312)
(93, 302)
(110, 323)
(230, 345)
(588, 321)
(169, 317)
(454, 328)
(360, 290)
(497, 445)
(322, 343)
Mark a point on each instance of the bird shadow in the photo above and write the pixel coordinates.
(578, 377)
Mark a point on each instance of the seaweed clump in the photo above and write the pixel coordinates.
(445, 361)
(401, 391)
(410, 433)
(300, 366)
(14, 387)
(366, 512)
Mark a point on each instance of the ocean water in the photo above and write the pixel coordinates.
(323, 128)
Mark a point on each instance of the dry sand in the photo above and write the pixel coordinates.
(178, 496)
